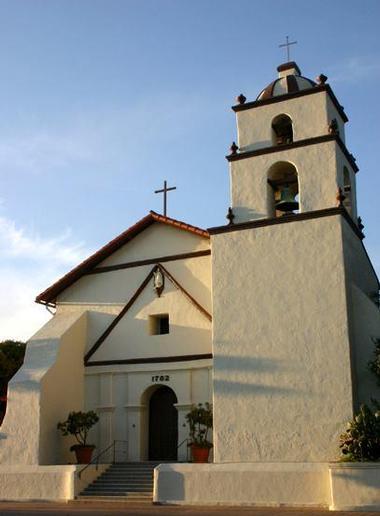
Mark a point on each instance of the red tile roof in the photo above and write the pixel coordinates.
(49, 295)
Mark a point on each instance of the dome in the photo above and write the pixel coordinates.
(289, 80)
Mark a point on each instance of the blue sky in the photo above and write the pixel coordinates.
(101, 100)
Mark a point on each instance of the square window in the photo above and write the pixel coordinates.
(159, 324)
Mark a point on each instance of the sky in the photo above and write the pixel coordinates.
(101, 100)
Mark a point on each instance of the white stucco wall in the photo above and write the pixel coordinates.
(317, 167)
(364, 316)
(270, 484)
(282, 372)
(43, 391)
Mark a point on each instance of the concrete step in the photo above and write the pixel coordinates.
(116, 489)
(125, 499)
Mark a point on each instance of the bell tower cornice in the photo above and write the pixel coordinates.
(299, 143)
(288, 96)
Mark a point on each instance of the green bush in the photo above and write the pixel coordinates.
(361, 440)
(78, 424)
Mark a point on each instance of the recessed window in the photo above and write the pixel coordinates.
(159, 324)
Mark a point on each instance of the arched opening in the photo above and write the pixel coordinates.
(283, 190)
(282, 130)
(163, 425)
(347, 189)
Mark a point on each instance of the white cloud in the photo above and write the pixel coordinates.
(355, 69)
(29, 263)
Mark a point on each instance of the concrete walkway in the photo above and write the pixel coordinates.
(122, 509)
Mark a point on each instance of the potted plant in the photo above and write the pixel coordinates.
(78, 424)
(200, 421)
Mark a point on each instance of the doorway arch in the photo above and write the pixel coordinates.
(163, 424)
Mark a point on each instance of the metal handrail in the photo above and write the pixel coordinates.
(187, 447)
(96, 458)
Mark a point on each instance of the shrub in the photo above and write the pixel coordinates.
(361, 440)
(200, 421)
(78, 424)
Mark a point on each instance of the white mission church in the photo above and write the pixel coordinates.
(270, 318)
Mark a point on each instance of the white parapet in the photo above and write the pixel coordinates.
(47, 483)
(260, 484)
(355, 486)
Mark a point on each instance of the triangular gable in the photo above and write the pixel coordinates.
(48, 296)
(133, 299)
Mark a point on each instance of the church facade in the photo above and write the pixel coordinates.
(271, 318)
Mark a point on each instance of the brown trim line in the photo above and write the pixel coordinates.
(108, 330)
(185, 292)
(328, 212)
(280, 98)
(300, 143)
(151, 360)
(150, 261)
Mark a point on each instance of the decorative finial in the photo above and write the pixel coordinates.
(241, 98)
(321, 79)
(230, 216)
(234, 148)
(333, 127)
(340, 197)
(360, 224)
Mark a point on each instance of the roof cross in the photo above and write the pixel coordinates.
(165, 191)
(287, 45)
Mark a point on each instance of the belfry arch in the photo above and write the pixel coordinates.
(282, 130)
(283, 189)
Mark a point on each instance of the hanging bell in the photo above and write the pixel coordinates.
(287, 202)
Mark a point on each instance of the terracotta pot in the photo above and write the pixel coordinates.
(83, 453)
(199, 453)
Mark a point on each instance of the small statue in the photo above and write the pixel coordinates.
(321, 79)
(158, 282)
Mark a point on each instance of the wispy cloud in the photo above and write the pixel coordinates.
(354, 69)
(29, 263)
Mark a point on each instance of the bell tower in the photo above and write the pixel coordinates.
(295, 297)
(290, 154)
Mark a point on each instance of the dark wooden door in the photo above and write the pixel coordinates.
(163, 425)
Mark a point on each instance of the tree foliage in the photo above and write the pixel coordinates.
(374, 364)
(11, 358)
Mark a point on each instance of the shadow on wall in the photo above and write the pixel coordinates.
(243, 213)
(251, 368)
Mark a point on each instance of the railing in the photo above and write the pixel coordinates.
(187, 447)
(95, 460)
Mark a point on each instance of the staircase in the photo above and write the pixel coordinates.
(127, 481)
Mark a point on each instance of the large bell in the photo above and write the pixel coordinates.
(287, 202)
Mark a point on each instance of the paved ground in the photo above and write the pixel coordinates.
(121, 509)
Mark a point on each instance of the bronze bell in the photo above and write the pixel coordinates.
(287, 202)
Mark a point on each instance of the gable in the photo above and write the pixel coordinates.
(129, 337)
(158, 240)
(49, 295)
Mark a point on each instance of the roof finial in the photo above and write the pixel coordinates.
(287, 45)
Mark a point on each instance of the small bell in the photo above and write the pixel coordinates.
(287, 202)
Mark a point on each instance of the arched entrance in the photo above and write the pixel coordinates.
(163, 425)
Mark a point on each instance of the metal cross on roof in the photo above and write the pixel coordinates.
(165, 191)
(287, 45)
